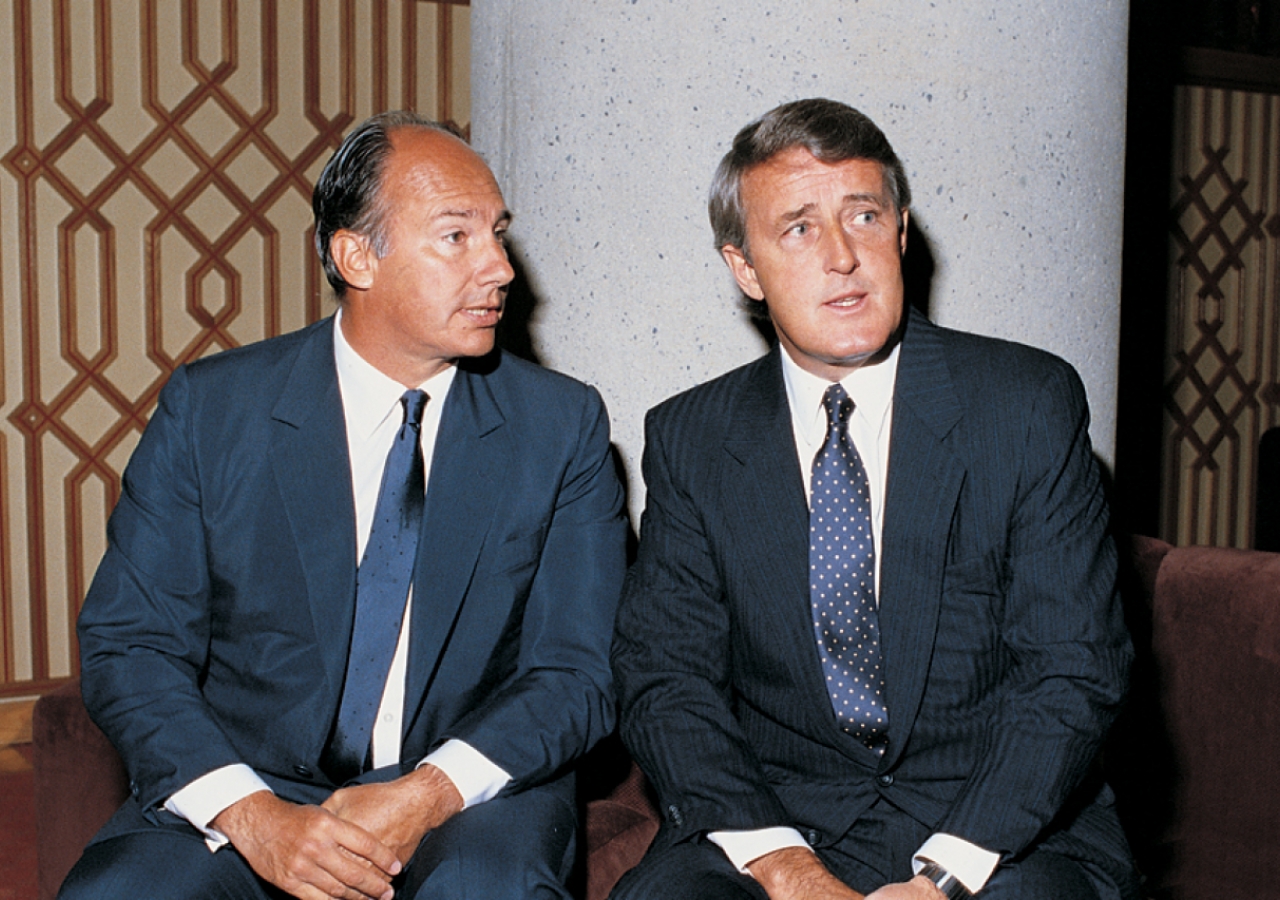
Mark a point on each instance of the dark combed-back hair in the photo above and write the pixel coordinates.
(831, 131)
(349, 191)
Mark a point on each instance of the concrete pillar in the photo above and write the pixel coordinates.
(604, 120)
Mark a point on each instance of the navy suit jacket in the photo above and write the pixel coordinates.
(217, 626)
(1003, 641)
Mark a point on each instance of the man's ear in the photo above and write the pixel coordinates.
(902, 232)
(743, 272)
(354, 257)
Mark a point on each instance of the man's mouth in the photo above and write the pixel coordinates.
(484, 315)
(846, 301)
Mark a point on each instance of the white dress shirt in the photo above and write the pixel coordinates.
(373, 413)
(871, 389)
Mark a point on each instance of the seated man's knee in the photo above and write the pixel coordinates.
(159, 865)
(687, 871)
(1043, 875)
(516, 847)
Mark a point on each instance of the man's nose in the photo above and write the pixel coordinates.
(496, 268)
(842, 251)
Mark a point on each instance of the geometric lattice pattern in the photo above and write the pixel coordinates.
(1222, 387)
(156, 165)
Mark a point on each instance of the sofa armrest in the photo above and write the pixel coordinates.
(79, 782)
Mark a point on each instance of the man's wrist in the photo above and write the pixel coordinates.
(745, 847)
(944, 881)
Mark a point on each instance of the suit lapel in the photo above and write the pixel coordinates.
(923, 488)
(764, 494)
(310, 458)
(468, 471)
(765, 486)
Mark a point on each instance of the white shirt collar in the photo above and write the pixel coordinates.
(870, 387)
(368, 395)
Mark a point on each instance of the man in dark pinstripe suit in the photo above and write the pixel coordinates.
(1002, 655)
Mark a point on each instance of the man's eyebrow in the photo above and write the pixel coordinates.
(864, 197)
(504, 218)
(847, 200)
(800, 213)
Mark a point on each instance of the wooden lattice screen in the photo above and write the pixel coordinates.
(1222, 387)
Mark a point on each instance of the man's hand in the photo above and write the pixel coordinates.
(399, 813)
(307, 851)
(795, 873)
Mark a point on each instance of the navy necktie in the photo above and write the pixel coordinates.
(382, 587)
(842, 569)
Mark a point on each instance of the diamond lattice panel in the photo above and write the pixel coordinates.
(1223, 380)
(156, 164)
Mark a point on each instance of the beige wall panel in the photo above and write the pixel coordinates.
(333, 57)
(59, 568)
(291, 220)
(131, 371)
(166, 81)
(428, 77)
(156, 163)
(127, 121)
(460, 65)
(47, 119)
(51, 211)
(399, 66)
(83, 33)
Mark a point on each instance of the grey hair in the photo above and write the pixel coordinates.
(831, 131)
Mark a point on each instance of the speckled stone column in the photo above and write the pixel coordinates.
(604, 120)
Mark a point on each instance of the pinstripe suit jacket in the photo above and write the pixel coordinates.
(1004, 645)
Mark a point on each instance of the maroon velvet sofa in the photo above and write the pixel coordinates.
(1194, 758)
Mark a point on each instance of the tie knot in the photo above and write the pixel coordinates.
(838, 404)
(413, 403)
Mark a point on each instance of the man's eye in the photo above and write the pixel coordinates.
(454, 237)
(798, 229)
(865, 218)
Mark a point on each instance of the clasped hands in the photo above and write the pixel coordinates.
(349, 847)
(796, 873)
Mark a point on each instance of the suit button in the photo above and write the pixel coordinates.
(303, 771)
(885, 780)
(811, 837)
(674, 814)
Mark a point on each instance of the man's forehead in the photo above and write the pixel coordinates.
(792, 172)
(442, 171)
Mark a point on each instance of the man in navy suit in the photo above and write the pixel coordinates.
(871, 644)
(215, 636)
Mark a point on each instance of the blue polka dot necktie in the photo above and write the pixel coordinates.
(382, 587)
(842, 570)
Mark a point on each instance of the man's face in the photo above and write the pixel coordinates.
(826, 250)
(437, 294)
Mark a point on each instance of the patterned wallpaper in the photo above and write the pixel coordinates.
(1222, 385)
(156, 164)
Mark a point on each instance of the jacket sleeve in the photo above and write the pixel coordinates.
(558, 701)
(144, 629)
(1061, 626)
(672, 660)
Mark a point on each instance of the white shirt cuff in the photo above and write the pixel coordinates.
(969, 863)
(476, 778)
(201, 800)
(745, 847)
